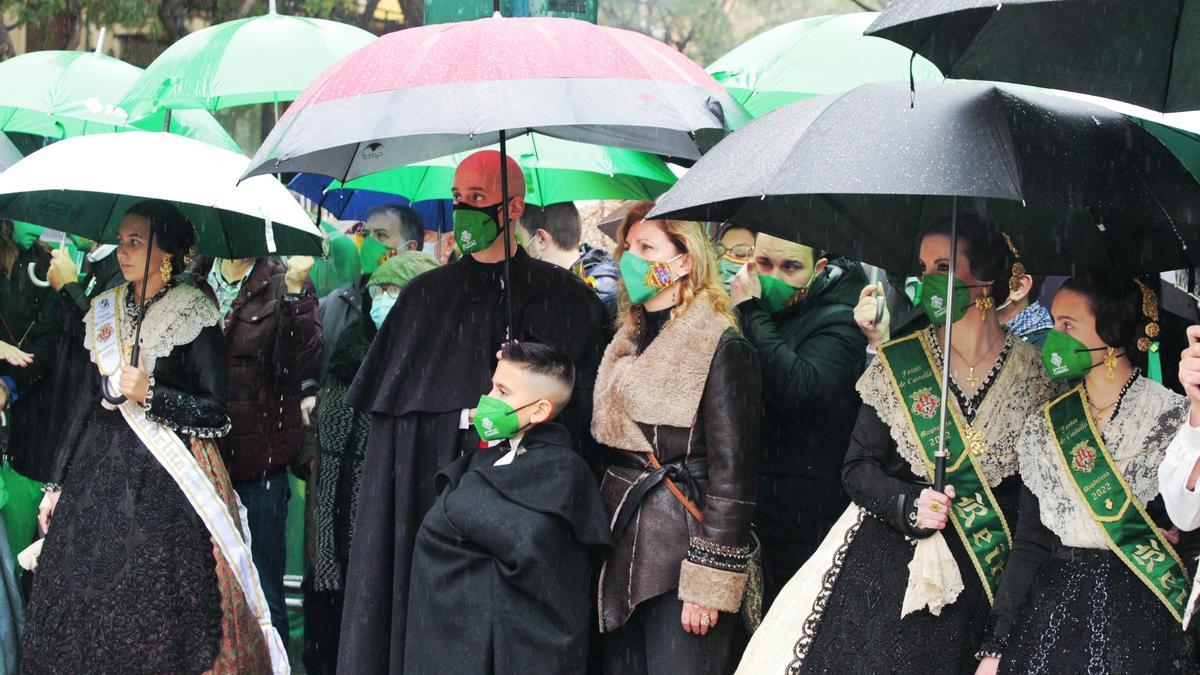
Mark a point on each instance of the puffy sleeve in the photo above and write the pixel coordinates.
(1183, 505)
(196, 405)
(714, 572)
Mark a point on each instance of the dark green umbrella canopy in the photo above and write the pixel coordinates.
(1145, 52)
(864, 173)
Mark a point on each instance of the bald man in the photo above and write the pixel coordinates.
(430, 362)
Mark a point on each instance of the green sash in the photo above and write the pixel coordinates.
(1130, 532)
(976, 516)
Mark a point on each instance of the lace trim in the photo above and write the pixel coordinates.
(970, 404)
(1018, 387)
(808, 631)
(194, 432)
(1137, 436)
(173, 317)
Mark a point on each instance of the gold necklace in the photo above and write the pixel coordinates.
(971, 379)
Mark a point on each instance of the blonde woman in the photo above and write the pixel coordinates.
(677, 399)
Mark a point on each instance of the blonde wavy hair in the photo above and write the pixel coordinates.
(702, 284)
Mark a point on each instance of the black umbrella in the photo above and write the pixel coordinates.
(863, 174)
(1145, 52)
(1077, 186)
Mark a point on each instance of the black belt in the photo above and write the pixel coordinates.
(684, 474)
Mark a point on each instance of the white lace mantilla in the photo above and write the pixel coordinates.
(1137, 438)
(174, 319)
(1019, 389)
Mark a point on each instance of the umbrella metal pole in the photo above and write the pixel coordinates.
(136, 352)
(939, 475)
(167, 120)
(508, 301)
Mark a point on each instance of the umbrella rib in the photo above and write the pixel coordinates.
(1171, 62)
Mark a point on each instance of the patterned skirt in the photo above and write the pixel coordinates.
(1088, 613)
(129, 579)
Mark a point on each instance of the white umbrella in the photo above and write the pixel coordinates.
(9, 154)
(84, 185)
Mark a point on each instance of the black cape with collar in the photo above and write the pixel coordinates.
(433, 357)
(501, 580)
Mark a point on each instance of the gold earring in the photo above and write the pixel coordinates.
(164, 269)
(984, 303)
(1110, 361)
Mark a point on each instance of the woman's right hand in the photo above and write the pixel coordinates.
(46, 509)
(933, 508)
(988, 665)
(865, 312)
(14, 356)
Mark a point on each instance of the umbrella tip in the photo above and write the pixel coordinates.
(100, 40)
(497, 15)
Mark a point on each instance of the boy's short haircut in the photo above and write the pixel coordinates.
(544, 360)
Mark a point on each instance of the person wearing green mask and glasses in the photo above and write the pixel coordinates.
(507, 544)
(996, 381)
(734, 246)
(1098, 577)
(420, 383)
(796, 308)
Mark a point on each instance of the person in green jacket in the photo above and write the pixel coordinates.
(797, 309)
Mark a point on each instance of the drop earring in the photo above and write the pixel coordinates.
(984, 304)
(164, 269)
(1110, 361)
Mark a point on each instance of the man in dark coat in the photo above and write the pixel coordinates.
(433, 356)
(554, 233)
(500, 572)
(797, 309)
(274, 339)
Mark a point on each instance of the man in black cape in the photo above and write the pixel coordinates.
(433, 356)
(501, 578)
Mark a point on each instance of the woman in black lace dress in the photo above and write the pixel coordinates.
(129, 579)
(843, 611)
(1070, 601)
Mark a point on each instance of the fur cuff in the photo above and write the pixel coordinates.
(710, 587)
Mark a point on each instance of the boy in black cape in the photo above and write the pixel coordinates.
(500, 574)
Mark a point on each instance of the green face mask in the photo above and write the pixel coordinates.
(777, 294)
(25, 234)
(931, 296)
(727, 269)
(496, 420)
(643, 278)
(373, 254)
(475, 228)
(1065, 357)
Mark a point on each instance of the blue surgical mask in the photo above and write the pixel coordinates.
(429, 248)
(380, 307)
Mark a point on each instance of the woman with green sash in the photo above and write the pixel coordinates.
(1095, 582)
(903, 582)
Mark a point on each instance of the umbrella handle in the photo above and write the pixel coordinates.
(40, 283)
(114, 400)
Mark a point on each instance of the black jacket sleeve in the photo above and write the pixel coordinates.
(870, 471)
(828, 360)
(1032, 543)
(200, 408)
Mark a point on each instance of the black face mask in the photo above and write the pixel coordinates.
(476, 227)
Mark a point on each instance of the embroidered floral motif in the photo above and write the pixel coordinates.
(808, 631)
(925, 403)
(1014, 388)
(1137, 436)
(1083, 457)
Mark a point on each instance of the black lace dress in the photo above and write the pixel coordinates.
(861, 630)
(1076, 607)
(127, 581)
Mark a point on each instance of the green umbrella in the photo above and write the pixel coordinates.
(555, 171)
(262, 59)
(812, 57)
(62, 94)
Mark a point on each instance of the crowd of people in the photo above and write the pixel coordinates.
(707, 451)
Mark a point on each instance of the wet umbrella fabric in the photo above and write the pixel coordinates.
(1145, 53)
(262, 59)
(354, 204)
(1076, 185)
(84, 186)
(813, 57)
(63, 94)
(555, 171)
(462, 84)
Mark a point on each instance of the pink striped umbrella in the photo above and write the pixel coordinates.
(426, 92)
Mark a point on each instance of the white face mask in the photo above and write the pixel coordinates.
(380, 307)
(430, 248)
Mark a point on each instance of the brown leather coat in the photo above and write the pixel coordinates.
(714, 461)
